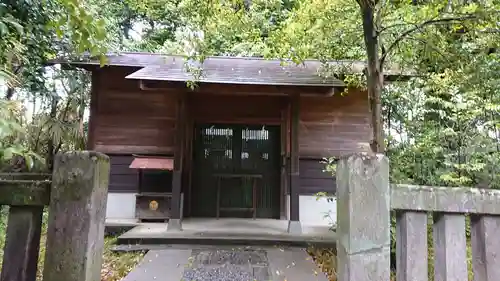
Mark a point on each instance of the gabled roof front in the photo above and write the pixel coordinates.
(229, 70)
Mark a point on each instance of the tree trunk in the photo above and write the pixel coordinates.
(9, 93)
(375, 77)
(81, 130)
(51, 144)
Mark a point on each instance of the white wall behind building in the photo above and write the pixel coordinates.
(315, 211)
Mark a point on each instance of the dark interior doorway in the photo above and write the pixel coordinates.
(236, 150)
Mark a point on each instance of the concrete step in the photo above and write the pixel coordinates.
(158, 235)
(223, 240)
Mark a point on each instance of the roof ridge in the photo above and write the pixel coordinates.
(232, 57)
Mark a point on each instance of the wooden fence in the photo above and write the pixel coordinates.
(76, 197)
(365, 200)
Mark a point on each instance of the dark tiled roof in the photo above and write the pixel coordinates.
(233, 70)
(238, 71)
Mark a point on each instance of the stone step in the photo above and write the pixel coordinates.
(207, 238)
(228, 232)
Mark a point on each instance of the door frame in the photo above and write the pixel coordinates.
(281, 140)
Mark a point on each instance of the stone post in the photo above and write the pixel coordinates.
(363, 218)
(77, 211)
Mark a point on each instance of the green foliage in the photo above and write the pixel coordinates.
(32, 32)
(447, 127)
(442, 127)
(56, 122)
(79, 26)
(13, 152)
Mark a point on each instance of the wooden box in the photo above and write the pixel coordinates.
(153, 206)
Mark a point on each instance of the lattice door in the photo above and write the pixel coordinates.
(241, 150)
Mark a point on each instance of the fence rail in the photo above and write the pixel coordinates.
(25, 189)
(445, 199)
(76, 198)
(449, 206)
(365, 200)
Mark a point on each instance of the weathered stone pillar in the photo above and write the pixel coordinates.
(363, 218)
(77, 211)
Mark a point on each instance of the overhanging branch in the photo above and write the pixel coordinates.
(420, 26)
(433, 47)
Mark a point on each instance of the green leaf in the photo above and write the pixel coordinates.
(9, 153)
(19, 28)
(37, 157)
(29, 162)
(3, 28)
(59, 32)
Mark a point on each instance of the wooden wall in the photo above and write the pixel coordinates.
(314, 178)
(334, 126)
(121, 177)
(128, 120)
(210, 108)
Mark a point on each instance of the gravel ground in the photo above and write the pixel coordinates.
(222, 265)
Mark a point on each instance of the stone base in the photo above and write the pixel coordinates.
(294, 227)
(174, 225)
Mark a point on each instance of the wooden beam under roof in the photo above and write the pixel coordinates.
(235, 89)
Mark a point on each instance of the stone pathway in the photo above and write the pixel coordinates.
(226, 264)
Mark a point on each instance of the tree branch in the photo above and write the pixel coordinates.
(420, 26)
(398, 25)
(436, 49)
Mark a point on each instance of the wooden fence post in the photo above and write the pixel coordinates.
(363, 218)
(75, 235)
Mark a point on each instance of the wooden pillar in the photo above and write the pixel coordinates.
(188, 154)
(294, 223)
(283, 168)
(175, 215)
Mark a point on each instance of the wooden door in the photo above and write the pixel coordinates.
(240, 150)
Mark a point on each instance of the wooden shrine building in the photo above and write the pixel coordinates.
(247, 141)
